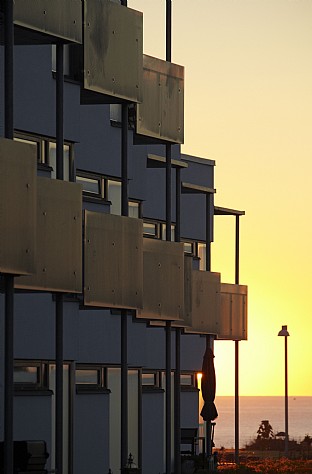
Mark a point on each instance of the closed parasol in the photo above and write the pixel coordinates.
(208, 387)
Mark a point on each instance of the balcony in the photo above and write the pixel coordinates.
(163, 280)
(46, 21)
(18, 183)
(160, 117)
(110, 31)
(233, 314)
(59, 239)
(113, 261)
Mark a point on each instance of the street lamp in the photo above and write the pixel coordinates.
(285, 333)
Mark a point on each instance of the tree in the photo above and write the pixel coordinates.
(265, 430)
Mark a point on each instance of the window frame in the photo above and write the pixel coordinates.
(43, 152)
(100, 386)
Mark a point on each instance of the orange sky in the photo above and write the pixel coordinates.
(248, 106)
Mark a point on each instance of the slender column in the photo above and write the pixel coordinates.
(9, 368)
(168, 397)
(178, 205)
(209, 344)
(124, 391)
(8, 279)
(59, 383)
(208, 227)
(168, 238)
(286, 400)
(59, 111)
(209, 339)
(177, 381)
(59, 296)
(177, 403)
(237, 347)
(124, 320)
(8, 67)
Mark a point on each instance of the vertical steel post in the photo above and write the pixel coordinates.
(8, 67)
(124, 318)
(177, 380)
(168, 238)
(59, 296)
(236, 435)
(168, 397)
(9, 368)
(209, 339)
(208, 231)
(286, 399)
(177, 403)
(59, 383)
(209, 344)
(8, 279)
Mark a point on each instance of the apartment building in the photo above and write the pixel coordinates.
(112, 313)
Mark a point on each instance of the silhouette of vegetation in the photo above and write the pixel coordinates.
(265, 430)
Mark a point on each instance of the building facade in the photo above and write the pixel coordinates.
(111, 269)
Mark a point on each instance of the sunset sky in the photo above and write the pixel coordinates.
(248, 106)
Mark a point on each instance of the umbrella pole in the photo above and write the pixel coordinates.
(209, 345)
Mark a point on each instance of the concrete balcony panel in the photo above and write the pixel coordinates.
(202, 300)
(163, 280)
(160, 117)
(112, 54)
(47, 21)
(113, 256)
(59, 238)
(18, 193)
(233, 317)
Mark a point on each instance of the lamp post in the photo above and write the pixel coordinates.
(285, 333)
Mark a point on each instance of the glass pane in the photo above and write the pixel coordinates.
(149, 379)
(186, 379)
(150, 229)
(188, 248)
(114, 195)
(202, 256)
(26, 374)
(163, 232)
(89, 185)
(52, 160)
(87, 376)
(134, 209)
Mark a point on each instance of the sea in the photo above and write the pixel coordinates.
(255, 409)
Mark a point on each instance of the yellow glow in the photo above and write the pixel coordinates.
(248, 105)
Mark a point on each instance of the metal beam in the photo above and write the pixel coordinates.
(59, 296)
(8, 279)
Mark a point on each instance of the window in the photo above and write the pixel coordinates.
(151, 229)
(163, 232)
(134, 209)
(52, 160)
(150, 379)
(46, 152)
(201, 253)
(92, 186)
(189, 248)
(187, 380)
(66, 59)
(90, 377)
(113, 189)
(105, 188)
(30, 375)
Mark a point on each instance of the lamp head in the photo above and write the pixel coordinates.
(283, 331)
